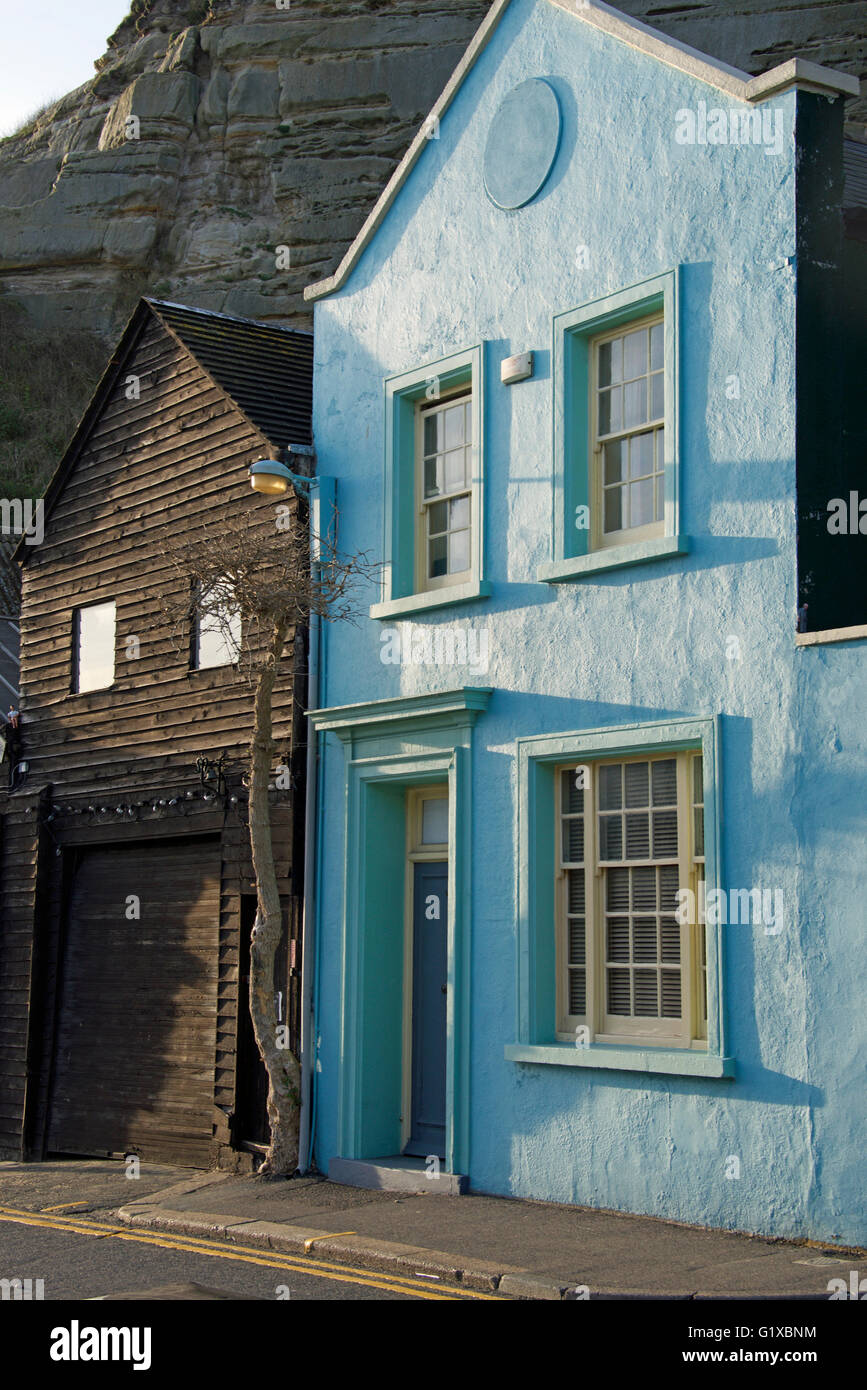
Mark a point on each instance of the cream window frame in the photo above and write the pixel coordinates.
(424, 583)
(690, 1031)
(599, 539)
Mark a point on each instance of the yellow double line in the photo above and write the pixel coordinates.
(242, 1254)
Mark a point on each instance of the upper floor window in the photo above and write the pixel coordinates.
(93, 642)
(444, 450)
(628, 415)
(216, 631)
(616, 432)
(434, 493)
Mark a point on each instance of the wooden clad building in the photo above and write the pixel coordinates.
(126, 887)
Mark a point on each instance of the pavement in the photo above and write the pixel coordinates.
(517, 1249)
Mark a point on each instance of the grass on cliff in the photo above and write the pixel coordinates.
(46, 381)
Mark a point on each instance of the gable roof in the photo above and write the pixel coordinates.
(266, 371)
(797, 72)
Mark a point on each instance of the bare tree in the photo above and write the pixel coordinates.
(259, 570)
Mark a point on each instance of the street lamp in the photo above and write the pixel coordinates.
(270, 477)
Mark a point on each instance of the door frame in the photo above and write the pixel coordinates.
(389, 745)
(416, 853)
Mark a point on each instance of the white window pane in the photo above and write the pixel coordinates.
(456, 473)
(95, 656)
(641, 503)
(435, 821)
(218, 633)
(657, 345)
(459, 513)
(635, 395)
(657, 396)
(454, 426)
(459, 552)
(641, 456)
(635, 354)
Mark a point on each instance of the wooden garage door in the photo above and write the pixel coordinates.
(136, 1030)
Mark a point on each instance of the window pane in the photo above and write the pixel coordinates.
(644, 943)
(638, 836)
(219, 637)
(641, 455)
(641, 503)
(617, 890)
(657, 345)
(614, 510)
(95, 656)
(646, 994)
(572, 792)
(636, 403)
(459, 552)
(613, 457)
(610, 837)
(698, 831)
(437, 518)
(660, 498)
(437, 557)
(643, 888)
(610, 410)
(435, 821)
(668, 886)
(618, 938)
(664, 834)
(573, 841)
(669, 941)
(577, 948)
(664, 782)
(618, 992)
(432, 431)
(610, 787)
(455, 470)
(635, 353)
(459, 513)
(657, 396)
(575, 896)
(433, 470)
(454, 426)
(577, 993)
(698, 778)
(671, 994)
(637, 783)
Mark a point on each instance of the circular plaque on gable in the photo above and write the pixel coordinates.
(522, 144)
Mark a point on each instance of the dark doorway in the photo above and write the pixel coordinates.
(252, 1129)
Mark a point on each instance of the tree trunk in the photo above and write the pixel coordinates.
(284, 1071)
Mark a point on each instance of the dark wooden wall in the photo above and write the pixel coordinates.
(150, 467)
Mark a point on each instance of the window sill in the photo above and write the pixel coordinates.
(660, 1061)
(436, 598)
(616, 557)
(831, 634)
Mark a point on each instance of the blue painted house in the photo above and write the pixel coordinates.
(586, 915)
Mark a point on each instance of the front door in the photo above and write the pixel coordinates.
(429, 975)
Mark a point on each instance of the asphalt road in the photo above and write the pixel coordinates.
(58, 1224)
(76, 1266)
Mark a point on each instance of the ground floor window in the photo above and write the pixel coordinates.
(630, 837)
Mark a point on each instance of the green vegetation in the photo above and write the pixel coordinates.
(45, 384)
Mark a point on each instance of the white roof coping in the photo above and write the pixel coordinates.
(796, 72)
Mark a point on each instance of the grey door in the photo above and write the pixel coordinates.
(429, 974)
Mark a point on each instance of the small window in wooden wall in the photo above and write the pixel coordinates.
(93, 640)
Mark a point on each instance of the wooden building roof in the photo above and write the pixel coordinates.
(265, 370)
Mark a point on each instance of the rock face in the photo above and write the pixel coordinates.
(212, 136)
(225, 154)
